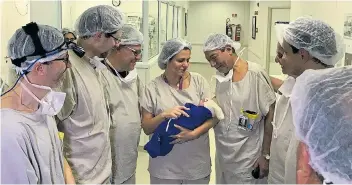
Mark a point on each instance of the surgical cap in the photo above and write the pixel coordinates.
(219, 41)
(322, 113)
(67, 30)
(316, 37)
(131, 36)
(102, 18)
(21, 44)
(170, 49)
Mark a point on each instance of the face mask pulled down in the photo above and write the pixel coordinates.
(51, 104)
(129, 79)
(228, 77)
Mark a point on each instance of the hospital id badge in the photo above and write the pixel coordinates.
(242, 122)
(247, 120)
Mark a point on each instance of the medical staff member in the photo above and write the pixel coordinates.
(31, 151)
(322, 115)
(123, 91)
(164, 98)
(282, 122)
(69, 35)
(247, 99)
(306, 43)
(84, 118)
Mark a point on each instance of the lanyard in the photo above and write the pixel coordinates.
(241, 95)
(179, 84)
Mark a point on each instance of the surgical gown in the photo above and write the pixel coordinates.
(190, 160)
(237, 150)
(282, 133)
(291, 160)
(125, 130)
(85, 122)
(31, 151)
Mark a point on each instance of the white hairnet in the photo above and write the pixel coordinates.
(131, 36)
(280, 29)
(67, 30)
(322, 113)
(102, 18)
(219, 41)
(171, 48)
(21, 44)
(316, 37)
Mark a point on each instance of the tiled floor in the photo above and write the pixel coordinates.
(142, 176)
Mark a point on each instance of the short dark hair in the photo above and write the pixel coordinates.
(295, 51)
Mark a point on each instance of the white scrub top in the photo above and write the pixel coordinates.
(190, 160)
(237, 150)
(31, 151)
(85, 122)
(126, 127)
(282, 132)
(291, 160)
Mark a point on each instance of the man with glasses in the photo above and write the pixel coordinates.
(123, 90)
(84, 118)
(70, 36)
(244, 93)
(31, 150)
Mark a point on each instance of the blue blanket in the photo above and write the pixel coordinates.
(159, 144)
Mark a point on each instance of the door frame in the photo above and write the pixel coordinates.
(268, 44)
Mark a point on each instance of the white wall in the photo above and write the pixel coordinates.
(46, 12)
(206, 17)
(257, 48)
(14, 14)
(276, 15)
(71, 10)
(332, 12)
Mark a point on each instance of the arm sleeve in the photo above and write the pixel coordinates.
(266, 94)
(16, 166)
(204, 88)
(68, 87)
(140, 88)
(148, 100)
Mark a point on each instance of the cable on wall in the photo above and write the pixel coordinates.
(19, 12)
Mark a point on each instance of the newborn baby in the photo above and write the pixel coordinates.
(159, 144)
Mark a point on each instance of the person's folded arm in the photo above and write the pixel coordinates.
(150, 122)
(204, 128)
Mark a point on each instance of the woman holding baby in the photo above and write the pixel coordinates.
(164, 97)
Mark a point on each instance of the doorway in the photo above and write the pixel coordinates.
(275, 14)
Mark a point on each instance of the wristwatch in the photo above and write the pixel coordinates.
(266, 156)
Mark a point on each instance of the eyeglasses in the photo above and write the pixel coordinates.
(66, 59)
(69, 39)
(135, 52)
(116, 39)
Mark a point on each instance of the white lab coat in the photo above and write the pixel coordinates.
(237, 150)
(282, 132)
(85, 122)
(123, 101)
(291, 161)
(31, 151)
